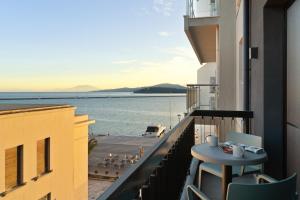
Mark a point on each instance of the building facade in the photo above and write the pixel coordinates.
(264, 76)
(209, 26)
(43, 152)
(274, 38)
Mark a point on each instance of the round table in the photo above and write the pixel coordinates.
(216, 155)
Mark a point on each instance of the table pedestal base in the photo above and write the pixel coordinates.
(227, 178)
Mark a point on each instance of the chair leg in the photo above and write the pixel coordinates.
(200, 178)
(242, 171)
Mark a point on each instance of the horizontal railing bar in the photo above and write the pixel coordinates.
(129, 183)
(222, 113)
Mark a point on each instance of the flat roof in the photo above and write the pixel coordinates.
(18, 108)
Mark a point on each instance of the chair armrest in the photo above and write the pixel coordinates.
(192, 190)
(265, 178)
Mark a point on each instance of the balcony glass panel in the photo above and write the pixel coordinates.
(202, 96)
(202, 8)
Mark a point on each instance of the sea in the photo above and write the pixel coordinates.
(115, 113)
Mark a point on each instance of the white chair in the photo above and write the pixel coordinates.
(236, 137)
(272, 190)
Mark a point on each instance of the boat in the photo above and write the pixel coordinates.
(154, 131)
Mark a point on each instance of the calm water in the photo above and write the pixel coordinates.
(115, 113)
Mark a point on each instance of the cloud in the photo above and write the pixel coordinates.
(174, 69)
(164, 34)
(164, 7)
(178, 65)
(122, 62)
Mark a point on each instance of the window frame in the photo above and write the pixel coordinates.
(20, 170)
(47, 158)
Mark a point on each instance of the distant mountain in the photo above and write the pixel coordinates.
(169, 85)
(81, 88)
(149, 90)
(160, 88)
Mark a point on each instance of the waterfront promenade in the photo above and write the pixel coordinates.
(112, 156)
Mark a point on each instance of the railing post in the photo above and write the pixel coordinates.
(170, 175)
(153, 186)
(159, 185)
(163, 179)
(145, 192)
(247, 125)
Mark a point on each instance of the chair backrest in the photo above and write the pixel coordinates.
(243, 138)
(284, 189)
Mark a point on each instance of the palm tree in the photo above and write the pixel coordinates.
(92, 142)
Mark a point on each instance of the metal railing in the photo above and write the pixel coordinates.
(160, 174)
(220, 122)
(156, 174)
(202, 8)
(201, 96)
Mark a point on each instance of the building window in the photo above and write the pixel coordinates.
(13, 167)
(46, 197)
(43, 156)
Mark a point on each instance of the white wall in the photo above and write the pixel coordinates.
(239, 57)
(203, 77)
(226, 44)
(205, 72)
(202, 8)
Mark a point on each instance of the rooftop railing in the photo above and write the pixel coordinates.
(202, 8)
(161, 172)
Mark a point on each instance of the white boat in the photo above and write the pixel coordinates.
(154, 131)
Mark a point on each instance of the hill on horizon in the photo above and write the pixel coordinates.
(167, 87)
(162, 88)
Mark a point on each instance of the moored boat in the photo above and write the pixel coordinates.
(154, 131)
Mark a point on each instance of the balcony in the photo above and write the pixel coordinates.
(161, 173)
(201, 97)
(202, 8)
(201, 25)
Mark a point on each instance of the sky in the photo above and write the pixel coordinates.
(50, 45)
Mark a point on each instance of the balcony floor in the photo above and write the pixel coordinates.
(211, 185)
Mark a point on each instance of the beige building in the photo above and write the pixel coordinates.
(43, 152)
(209, 26)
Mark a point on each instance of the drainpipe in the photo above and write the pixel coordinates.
(246, 60)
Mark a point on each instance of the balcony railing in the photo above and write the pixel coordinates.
(201, 97)
(161, 173)
(202, 8)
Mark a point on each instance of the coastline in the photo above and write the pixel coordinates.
(92, 97)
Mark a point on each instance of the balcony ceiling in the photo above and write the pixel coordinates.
(202, 33)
